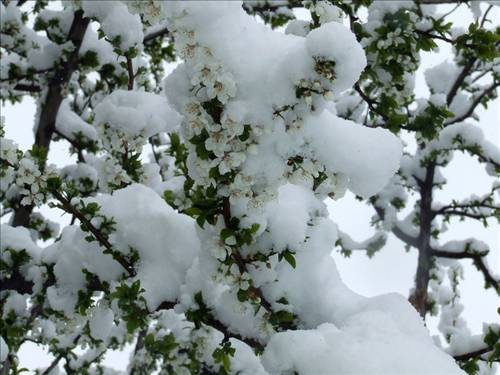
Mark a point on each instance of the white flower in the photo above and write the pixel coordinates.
(8, 150)
(231, 241)
(230, 161)
(194, 109)
(217, 143)
(188, 51)
(205, 73)
(223, 88)
(196, 124)
(328, 95)
(151, 9)
(233, 127)
(217, 247)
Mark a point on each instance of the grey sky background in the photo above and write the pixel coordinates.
(392, 269)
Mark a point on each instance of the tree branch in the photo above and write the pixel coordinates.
(56, 360)
(68, 207)
(371, 103)
(240, 262)
(474, 104)
(478, 262)
(46, 125)
(460, 79)
(420, 295)
(398, 232)
(130, 70)
(149, 37)
(473, 354)
(28, 88)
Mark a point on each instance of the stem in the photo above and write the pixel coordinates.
(68, 207)
(419, 297)
(47, 122)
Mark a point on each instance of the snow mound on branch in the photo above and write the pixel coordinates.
(369, 157)
(336, 42)
(116, 22)
(268, 68)
(441, 77)
(137, 113)
(165, 240)
(70, 124)
(70, 255)
(18, 238)
(266, 64)
(345, 326)
(368, 343)
(4, 349)
(287, 218)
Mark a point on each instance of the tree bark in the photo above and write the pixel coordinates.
(47, 122)
(419, 297)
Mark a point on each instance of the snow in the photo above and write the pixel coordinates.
(101, 322)
(360, 346)
(116, 22)
(288, 216)
(441, 77)
(101, 47)
(464, 135)
(132, 115)
(266, 64)
(273, 86)
(69, 124)
(470, 245)
(297, 28)
(15, 303)
(361, 322)
(4, 349)
(333, 41)
(18, 238)
(369, 157)
(165, 240)
(70, 255)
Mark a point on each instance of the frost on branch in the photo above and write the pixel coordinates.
(215, 256)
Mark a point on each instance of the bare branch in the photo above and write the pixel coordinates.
(130, 70)
(474, 104)
(371, 103)
(397, 231)
(68, 207)
(56, 360)
(478, 262)
(47, 120)
(473, 354)
(162, 32)
(442, 1)
(460, 79)
(28, 88)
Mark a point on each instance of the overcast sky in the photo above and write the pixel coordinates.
(392, 269)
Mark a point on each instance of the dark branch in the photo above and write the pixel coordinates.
(400, 234)
(240, 262)
(473, 354)
(371, 103)
(68, 207)
(56, 360)
(28, 88)
(460, 79)
(478, 262)
(162, 32)
(130, 70)
(47, 120)
(474, 104)
(442, 1)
